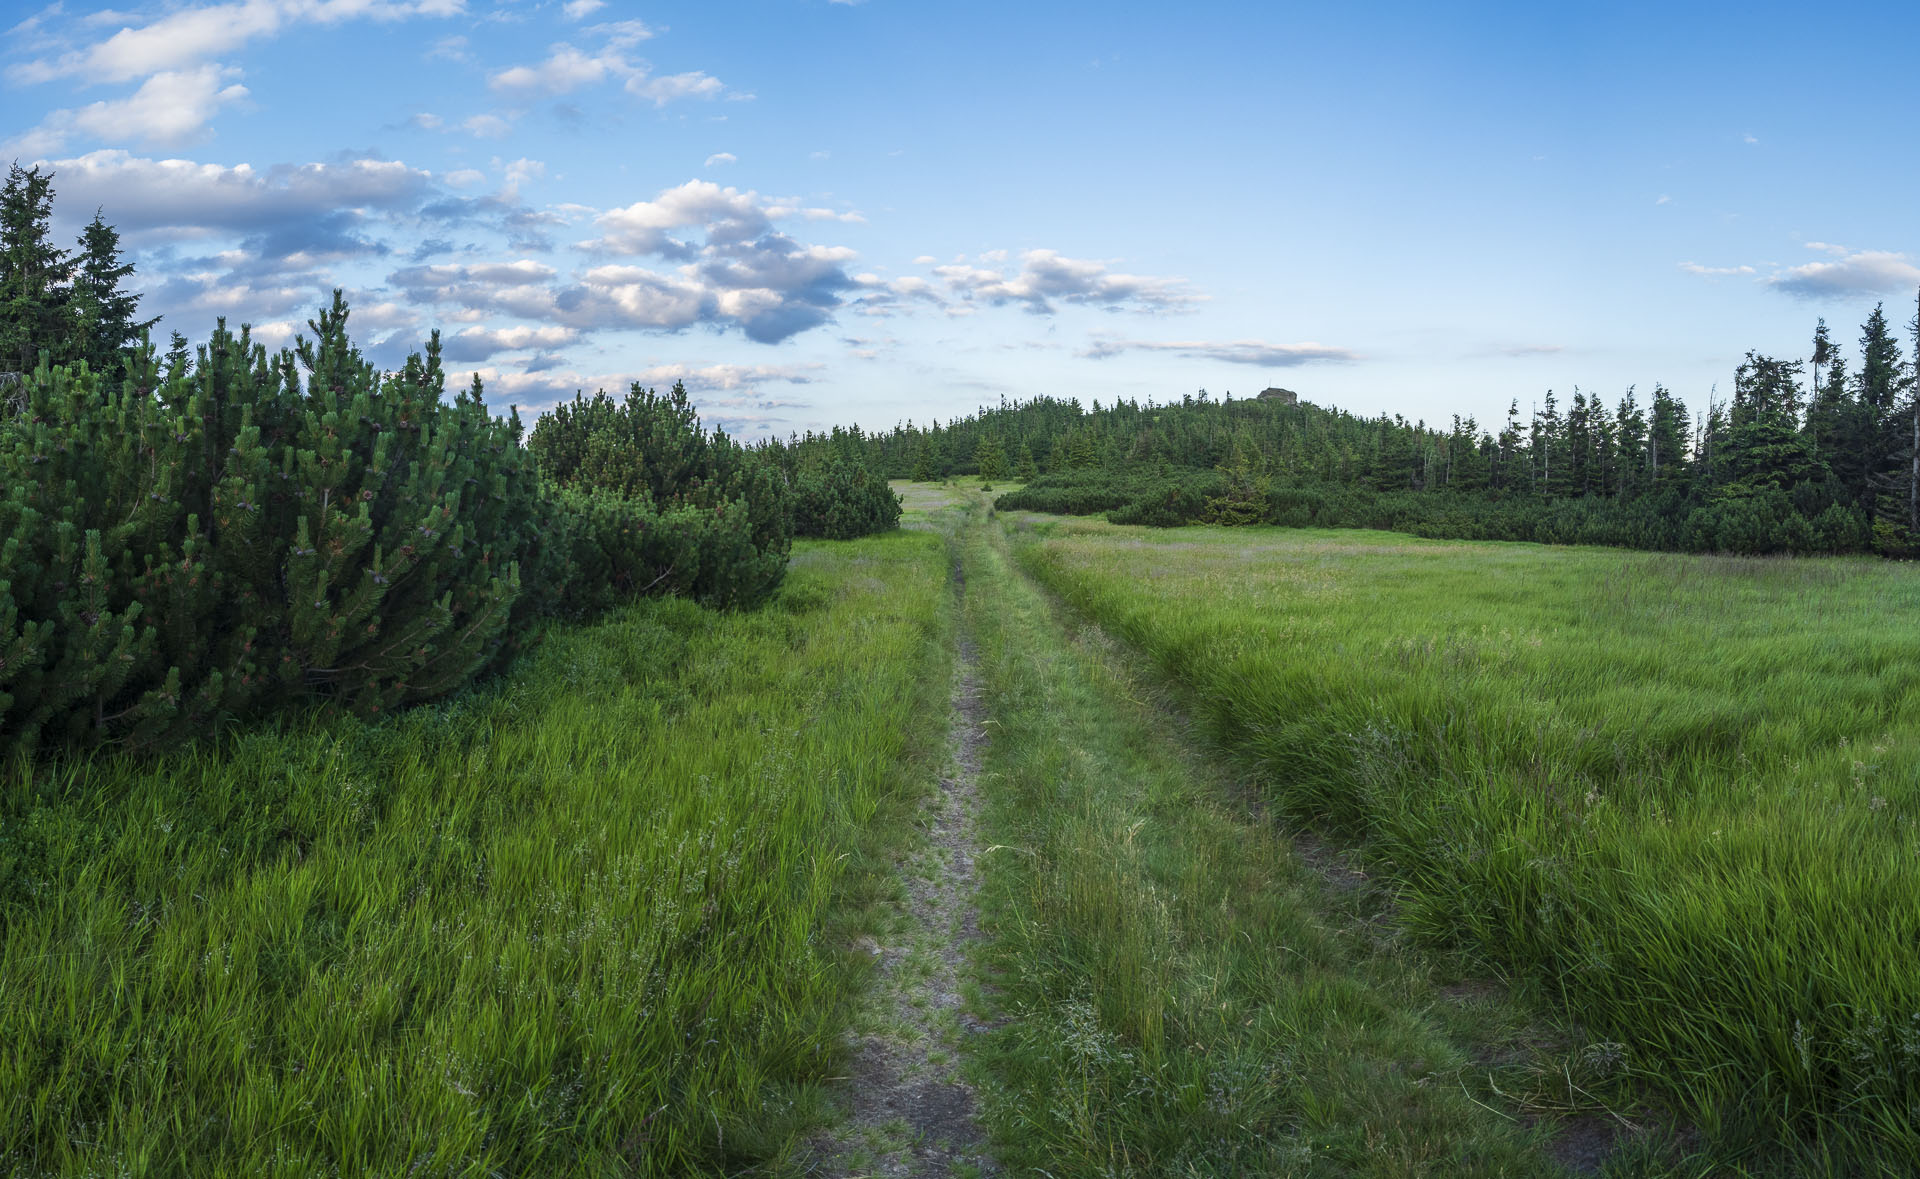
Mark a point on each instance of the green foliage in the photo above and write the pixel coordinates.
(716, 517)
(839, 499)
(180, 552)
(33, 273)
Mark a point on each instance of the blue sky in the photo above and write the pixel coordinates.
(820, 212)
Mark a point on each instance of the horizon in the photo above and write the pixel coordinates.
(824, 213)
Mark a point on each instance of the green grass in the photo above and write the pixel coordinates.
(1180, 994)
(582, 922)
(1677, 794)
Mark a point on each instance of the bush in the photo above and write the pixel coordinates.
(264, 530)
(726, 511)
(840, 499)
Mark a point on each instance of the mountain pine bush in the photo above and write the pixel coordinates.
(253, 531)
(670, 507)
(839, 499)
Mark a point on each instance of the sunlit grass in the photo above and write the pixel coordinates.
(1678, 793)
(573, 924)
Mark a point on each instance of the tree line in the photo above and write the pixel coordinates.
(1819, 455)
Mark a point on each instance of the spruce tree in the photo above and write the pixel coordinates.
(103, 311)
(33, 273)
(1667, 430)
(1764, 446)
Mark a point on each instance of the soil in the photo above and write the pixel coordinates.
(912, 1111)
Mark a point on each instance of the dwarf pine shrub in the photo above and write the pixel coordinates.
(176, 552)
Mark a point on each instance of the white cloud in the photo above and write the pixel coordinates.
(1714, 271)
(1045, 276)
(622, 34)
(565, 69)
(477, 343)
(1663, 199)
(581, 9)
(722, 157)
(1257, 353)
(169, 109)
(464, 177)
(731, 268)
(191, 35)
(1863, 272)
(487, 127)
(144, 194)
(663, 90)
(728, 376)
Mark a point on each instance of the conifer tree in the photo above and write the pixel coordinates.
(1024, 468)
(33, 273)
(104, 323)
(1667, 430)
(990, 456)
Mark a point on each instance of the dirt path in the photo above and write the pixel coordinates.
(912, 1110)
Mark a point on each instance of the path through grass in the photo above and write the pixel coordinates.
(1178, 993)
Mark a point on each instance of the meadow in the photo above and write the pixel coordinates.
(1672, 798)
(581, 920)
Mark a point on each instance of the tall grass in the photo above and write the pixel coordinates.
(1678, 793)
(1181, 999)
(574, 924)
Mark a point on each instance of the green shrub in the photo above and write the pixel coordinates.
(266, 529)
(840, 499)
(726, 520)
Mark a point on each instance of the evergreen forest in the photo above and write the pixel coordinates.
(1813, 456)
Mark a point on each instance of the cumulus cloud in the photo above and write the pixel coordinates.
(169, 109)
(1257, 353)
(722, 157)
(1045, 277)
(581, 9)
(1862, 272)
(141, 194)
(728, 266)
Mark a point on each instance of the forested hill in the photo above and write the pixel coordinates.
(1805, 456)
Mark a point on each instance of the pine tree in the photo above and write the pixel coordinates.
(103, 311)
(33, 273)
(1630, 443)
(990, 456)
(1764, 446)
(1667, 430)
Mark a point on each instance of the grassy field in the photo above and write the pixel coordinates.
(1675, 795)
(582, 922)
(1178, 993)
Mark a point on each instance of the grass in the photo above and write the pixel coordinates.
(1177, 993)
(583, 922)
(1677, 795)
